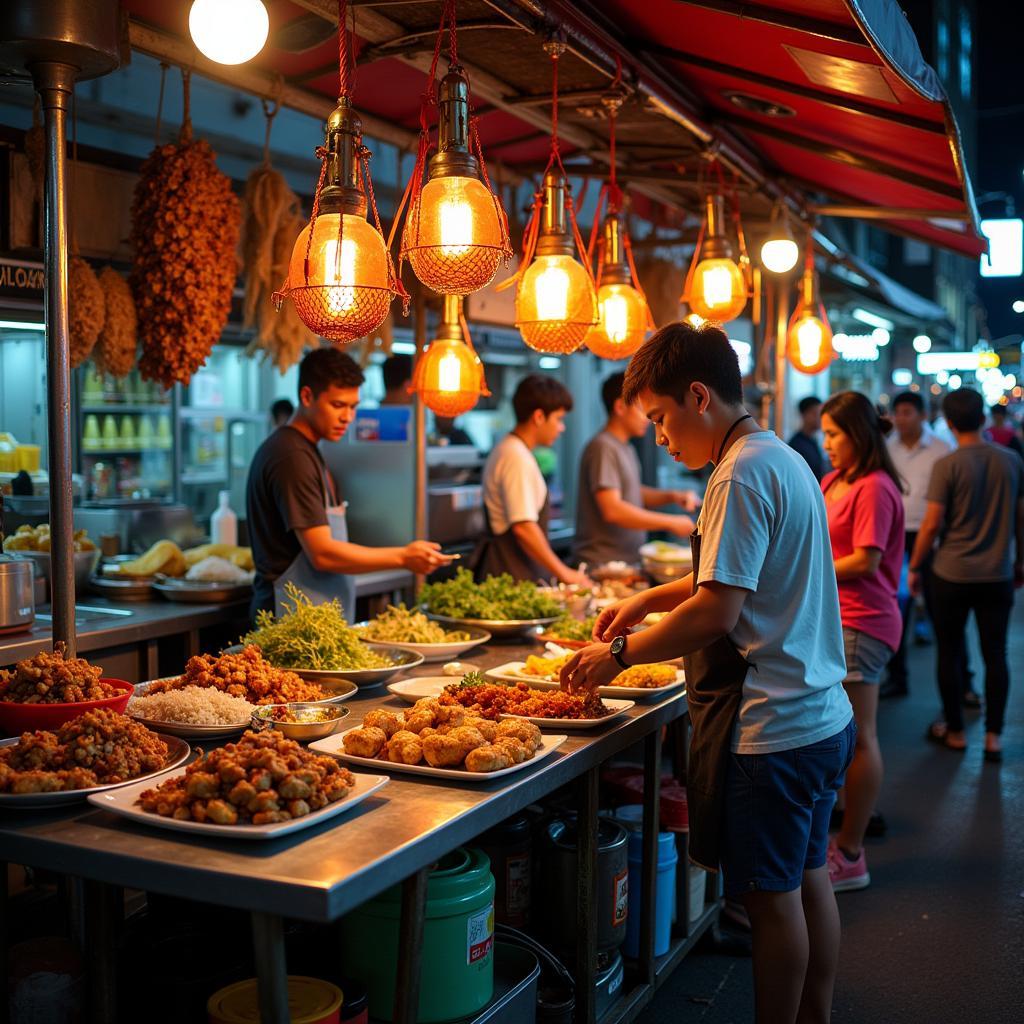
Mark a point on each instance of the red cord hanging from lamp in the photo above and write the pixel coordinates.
(624, 317)
(341, 277)
(556, 301)
(456, 231)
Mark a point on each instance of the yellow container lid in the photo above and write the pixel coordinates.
(310, 1001)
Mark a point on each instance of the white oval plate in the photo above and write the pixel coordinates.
(617, 707)
(124, 803)
(412, 690)
(434, 652)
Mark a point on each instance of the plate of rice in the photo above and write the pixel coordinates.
(192, 712)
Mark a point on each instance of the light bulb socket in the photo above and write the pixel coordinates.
(450, 328)
(614, 267)
(453, 157)
(808, 290)
(716, 243)
(342, 193)
(555, 238)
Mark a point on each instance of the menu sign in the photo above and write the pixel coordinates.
(21, 280)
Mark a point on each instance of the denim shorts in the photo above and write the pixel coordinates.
(866, 656)
(777, 812)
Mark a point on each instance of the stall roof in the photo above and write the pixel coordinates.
(802, 98)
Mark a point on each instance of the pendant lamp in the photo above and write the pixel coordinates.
(779, 251)
(556, 302)
(456, 230)
(809, 337)
(341, 277)
(716, 288)
(449, 377)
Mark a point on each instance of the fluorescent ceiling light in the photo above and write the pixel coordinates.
(21, 325)
(550, 363)
(872, 319)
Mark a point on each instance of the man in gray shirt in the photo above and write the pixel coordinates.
(976, 509)
(614, 510)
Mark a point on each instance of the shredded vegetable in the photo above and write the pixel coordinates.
(400, 625)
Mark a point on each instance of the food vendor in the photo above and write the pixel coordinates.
(614, 510)
(515, 494)
(397, 373)
(296, 515)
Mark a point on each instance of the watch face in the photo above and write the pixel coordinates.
(617, 644)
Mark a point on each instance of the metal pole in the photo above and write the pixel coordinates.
(271, 967)
(420, 433)
(55, 83)
(781, 328)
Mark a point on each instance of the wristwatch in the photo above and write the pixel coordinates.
(618, 646)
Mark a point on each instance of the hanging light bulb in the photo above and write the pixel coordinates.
(456, 234)
(623, 316)
(555, 301)
(341, 280)
(228, 31)
(449, 377)
(809, 337)
(779, 252)
(717, 290)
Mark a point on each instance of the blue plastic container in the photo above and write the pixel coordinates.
(664, 896)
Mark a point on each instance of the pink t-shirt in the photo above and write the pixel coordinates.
(869, 515)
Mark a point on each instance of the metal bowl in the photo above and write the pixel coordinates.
(433, 652)
(342, 679)
(304, 732)
(197, 592)
(666, 572)
(500, 629)
(85, 565)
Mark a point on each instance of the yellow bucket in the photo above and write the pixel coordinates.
(310, 1001)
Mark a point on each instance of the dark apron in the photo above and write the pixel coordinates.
(498, 553)
(714, 689)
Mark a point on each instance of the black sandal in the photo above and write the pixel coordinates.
(938, 732)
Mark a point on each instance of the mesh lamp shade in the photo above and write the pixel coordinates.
(718, 291)
(555, 304)
(453, 236)
(348, 293)
(449, 377)
(622, 322)
(809, 341)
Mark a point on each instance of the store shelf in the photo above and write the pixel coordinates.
(213, 477)
(125, 451)
(128, 408)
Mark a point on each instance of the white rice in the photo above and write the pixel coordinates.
(192, 705)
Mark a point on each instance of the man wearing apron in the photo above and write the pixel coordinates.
(296, 519)
(758, 624)
(515, 494)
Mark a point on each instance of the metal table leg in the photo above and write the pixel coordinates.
(5, 911)
(586, 896)
(271, 967)
(649, 862)
(410, 948)
(104, 913)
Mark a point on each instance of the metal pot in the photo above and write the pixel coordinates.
(17, 598)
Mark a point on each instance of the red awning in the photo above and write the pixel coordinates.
(826, 100)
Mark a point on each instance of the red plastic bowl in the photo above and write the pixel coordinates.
(16, 718)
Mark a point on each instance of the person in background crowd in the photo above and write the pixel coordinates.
(516, 504)
(446, 432)
(280, 413)
(976, 510)
(614, 510)
(397, 371)
(865, 522)
(805, 440)
(940, 426)
(914, 449)
(1002, 430)
(758, 621)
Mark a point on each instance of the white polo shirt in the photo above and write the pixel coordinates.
(915, 466)
(514, 488)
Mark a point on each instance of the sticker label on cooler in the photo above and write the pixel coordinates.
(620, 898)
(480, 934)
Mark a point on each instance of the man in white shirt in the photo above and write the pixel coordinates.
(915, 449)
(515, 494)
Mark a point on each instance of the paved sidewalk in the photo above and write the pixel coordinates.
(939, 935)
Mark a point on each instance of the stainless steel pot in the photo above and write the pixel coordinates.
(17, 598)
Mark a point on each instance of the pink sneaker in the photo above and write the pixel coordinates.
(846, 875)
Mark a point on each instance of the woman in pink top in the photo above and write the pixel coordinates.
(865, 521)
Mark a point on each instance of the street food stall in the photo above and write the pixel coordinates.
(773, 118)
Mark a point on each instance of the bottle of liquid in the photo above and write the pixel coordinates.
(224, 522)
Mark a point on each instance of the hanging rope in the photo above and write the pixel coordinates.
(185, 135)
(160, 103)
(270, 111)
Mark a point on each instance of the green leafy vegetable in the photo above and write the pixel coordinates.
(496, 597)
(570, 628)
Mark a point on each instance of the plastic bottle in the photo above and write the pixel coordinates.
(224, 522)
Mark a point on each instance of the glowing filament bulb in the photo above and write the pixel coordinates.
(809, 336)
(552, 294)
(340, 269)
(449, 373)
(615, 318)
(717, 286)
(456, 218)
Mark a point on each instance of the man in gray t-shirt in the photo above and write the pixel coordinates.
(976, 511)
(614, 510)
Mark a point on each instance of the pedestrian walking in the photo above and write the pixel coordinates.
(805, 440)
(976, 511)
(865, 519)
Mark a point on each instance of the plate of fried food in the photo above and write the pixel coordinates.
(638, 681)
(548, 708)
(97, 751)
(442, 741)
(262, 787)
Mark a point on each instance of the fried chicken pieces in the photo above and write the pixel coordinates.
(94, 749)
(444, 736)
(262, 779)
(54, 679)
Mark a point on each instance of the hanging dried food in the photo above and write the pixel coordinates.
(185, 227)
(86, 309)
(117, 347)
(272, 220)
